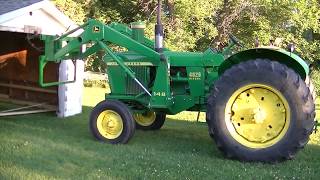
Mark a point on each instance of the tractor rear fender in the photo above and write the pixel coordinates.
(292, 60)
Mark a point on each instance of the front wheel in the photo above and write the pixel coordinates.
(111, 121)
(260, 110)
(149, 120)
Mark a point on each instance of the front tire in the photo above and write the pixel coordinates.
(111, 121)
(149, 120)
(260, 110)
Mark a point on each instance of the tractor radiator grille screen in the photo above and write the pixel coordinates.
(142, 74)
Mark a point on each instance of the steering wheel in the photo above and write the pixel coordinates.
(235, 40)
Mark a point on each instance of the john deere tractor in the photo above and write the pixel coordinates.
(257, 102)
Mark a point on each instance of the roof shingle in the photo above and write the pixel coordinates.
(11, 5)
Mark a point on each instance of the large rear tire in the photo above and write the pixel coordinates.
(111, 121)
(260, 110)
(311, 87)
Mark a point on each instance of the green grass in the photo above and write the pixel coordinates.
(42, 146)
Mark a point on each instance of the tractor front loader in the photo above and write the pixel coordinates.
(258, 106)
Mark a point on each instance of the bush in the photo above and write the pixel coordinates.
(315, 76)
(95, 83)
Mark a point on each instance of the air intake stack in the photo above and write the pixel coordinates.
(138, 31)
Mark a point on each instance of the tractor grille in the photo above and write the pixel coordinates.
(142, 74)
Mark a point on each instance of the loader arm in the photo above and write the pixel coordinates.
(94, 32)
(100, 35)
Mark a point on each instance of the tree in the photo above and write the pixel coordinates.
(192, 25)
(73, 9)
(286, 19)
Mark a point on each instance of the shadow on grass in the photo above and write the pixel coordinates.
(47, 146)
(176, 136)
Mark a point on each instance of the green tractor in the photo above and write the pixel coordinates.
(257, 102)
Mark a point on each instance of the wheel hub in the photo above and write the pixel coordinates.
(257, 116)
(110, 124)
(145, 119)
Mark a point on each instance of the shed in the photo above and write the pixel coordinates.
(20, 51)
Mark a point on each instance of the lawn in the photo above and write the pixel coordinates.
(42, 146)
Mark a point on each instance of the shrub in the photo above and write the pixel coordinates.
(315, 76)
(95, 83)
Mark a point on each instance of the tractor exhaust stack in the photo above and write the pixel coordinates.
(159, 30)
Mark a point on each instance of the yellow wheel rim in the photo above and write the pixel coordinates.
(109, 124)
(145, 119)
(257, 116)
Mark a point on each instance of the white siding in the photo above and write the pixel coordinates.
(39, 18)
(51, 22)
